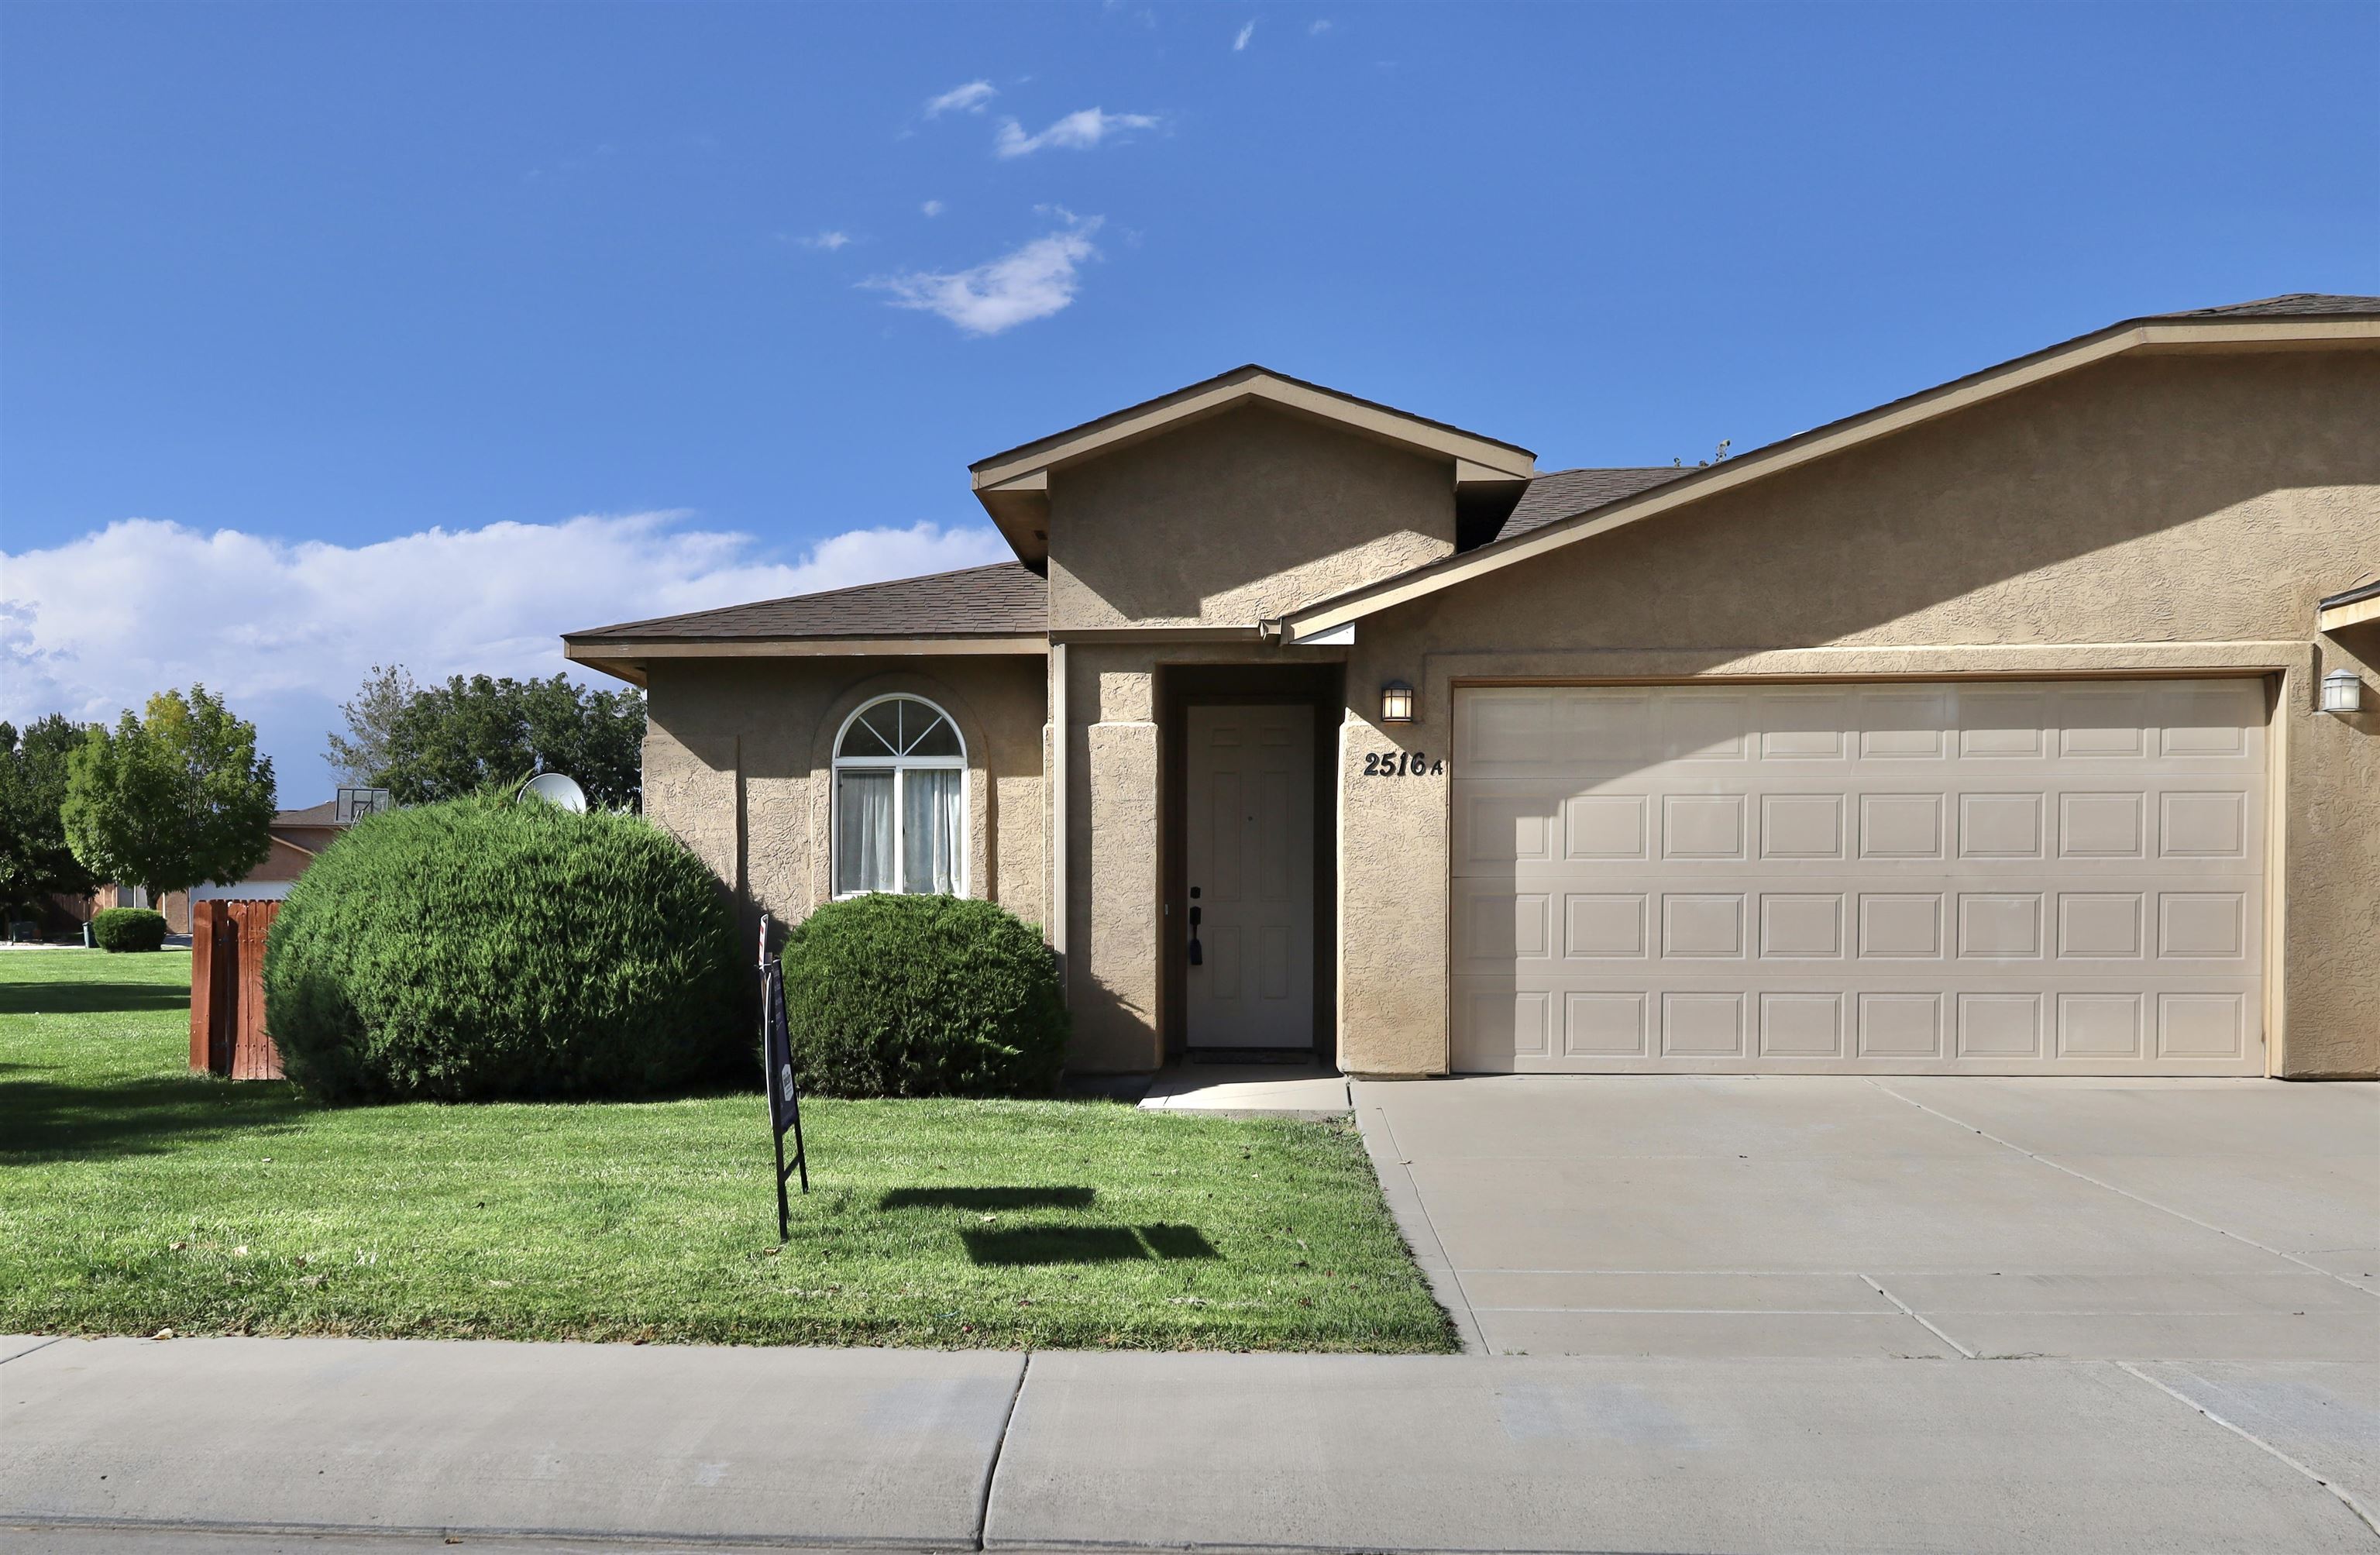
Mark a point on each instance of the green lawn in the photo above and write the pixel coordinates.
(134, 1197)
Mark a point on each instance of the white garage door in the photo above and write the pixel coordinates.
(1987, 878)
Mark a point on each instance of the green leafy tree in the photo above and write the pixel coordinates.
(173, 799)
(481, 735)
(34, 858)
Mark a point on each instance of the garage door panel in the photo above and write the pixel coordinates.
(1985, 1027)
(1806, 728)
(1899, 725)
(1814, 1032)
(1996, 879)
(2211, 722)
(2211, 926)
(2198, 821)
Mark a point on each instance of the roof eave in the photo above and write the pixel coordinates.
(2354, 607)
(630, 659)
(1835, 437)
(1020, 509)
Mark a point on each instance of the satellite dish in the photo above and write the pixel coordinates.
(556, 788)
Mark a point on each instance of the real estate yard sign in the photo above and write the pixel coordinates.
(785, 1098)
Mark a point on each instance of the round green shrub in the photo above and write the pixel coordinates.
(128, 928)
(923, 996)
(481, 948)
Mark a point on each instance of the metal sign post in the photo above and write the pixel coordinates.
(777, 1060)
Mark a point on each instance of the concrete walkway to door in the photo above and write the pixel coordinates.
(2233, 1221)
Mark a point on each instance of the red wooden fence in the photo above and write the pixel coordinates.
(227, 1033)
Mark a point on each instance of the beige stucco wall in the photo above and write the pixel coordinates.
(737, 754)
(2169, 513)
(1113, 837)
(1237, 518)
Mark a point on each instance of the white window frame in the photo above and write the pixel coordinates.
(896, 765)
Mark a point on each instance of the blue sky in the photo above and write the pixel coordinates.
(340, 334)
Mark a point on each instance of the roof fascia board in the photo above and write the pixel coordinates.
(2353, 612)
(1250, 632)
(591, 650)
(1302, 625)
(1385, 425)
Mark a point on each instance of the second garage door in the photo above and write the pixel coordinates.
(1983, 877)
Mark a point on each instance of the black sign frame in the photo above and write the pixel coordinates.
(777, 1074)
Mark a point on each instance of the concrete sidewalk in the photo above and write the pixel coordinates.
(119, 1445)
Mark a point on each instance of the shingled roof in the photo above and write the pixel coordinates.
(2289, 305)
(1561, 493)
(1006, 599)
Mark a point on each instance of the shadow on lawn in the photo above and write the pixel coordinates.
(139, 1117)
(1049, 1245)
(89, 998)
(986, 1199)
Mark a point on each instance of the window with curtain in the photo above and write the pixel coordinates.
(900, 800)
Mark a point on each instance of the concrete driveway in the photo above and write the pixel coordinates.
(2222, 1221)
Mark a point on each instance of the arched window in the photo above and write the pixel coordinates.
(900, 800)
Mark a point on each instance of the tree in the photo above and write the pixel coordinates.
(360, 757)
(34, 858)
(481, 734)
(171, 800)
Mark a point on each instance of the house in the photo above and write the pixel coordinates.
(298, 837)
(1982, 733)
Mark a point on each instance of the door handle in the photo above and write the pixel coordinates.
(1197, 953)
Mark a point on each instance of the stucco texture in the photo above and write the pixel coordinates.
(1235, 519)
(738, 758)
(2173, 512)
(1111, 816)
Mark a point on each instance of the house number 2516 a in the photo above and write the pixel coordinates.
(1402, 763)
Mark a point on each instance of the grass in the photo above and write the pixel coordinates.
(135, 1196)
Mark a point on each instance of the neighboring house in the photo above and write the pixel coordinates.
(299, 836)
(1976, 734)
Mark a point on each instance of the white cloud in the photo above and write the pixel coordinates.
(1318, 29)
(1077, 131)
(287, 630)
(1029, 282)
(1242, 41)
(968, 99)
(931, 207)
(830, 241)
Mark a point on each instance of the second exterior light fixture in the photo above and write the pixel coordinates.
(1396, 703)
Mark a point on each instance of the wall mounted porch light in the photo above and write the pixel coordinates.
(1396, 703)
(2342, 692)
